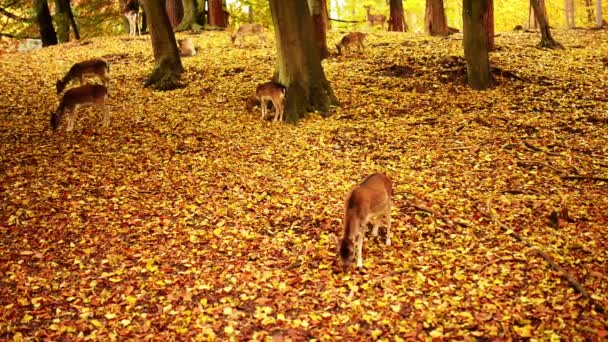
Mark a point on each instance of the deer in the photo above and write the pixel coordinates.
(272, 92)
(88, 94)
(186, 47)
(131, 12)
(367, 201)
(249, 30)
(353, 38)
(375, 19)
(95, 66)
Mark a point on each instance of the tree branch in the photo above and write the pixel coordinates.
(12, 16)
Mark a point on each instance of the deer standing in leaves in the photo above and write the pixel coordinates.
(375, 19)
(353, 38)
(88, 94)
(249, 30)
(95, 66)
(275, 93)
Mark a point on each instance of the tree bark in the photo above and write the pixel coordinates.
(73, 22)
(45, 22)
(540, 13)
(62, 20)
(320, 26)
(175, 12)
(532, 22)
(190, 16)
(396, 21)
(589, 10)
(216, 14)
(569, 13)
(598, 13)
(168, 65)
(488, 20)
(476, 43)
(299, 63)
(435, 22)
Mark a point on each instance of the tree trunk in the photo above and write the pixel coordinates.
(62, 20)
(540, 13)
(190, 16)
(319, 19)
(396, 21)
(598, 13)
(476, 43)
(569, 13)
(216, 14)
(175, 12)
(299, 64)
(144, 21)
(589, 10)
(73, 22)
(168, 65)
(435, 22)
(45, 22)
(488, 20)
(532, 23)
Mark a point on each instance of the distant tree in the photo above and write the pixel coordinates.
(435, 22)
(540, 13)
(569, 13)
(488, 20)
(217, 14)
(396, 21)
(191, 14)
(45, 22)
(475, 39)
(64, 17)
(318, 9)
(175, 12)
(589, 10)
(299, 64)
(598, 13)
(168, 65)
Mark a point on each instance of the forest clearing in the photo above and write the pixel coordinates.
(190, 218)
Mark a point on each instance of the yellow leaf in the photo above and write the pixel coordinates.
(26, 318)
(97, 324)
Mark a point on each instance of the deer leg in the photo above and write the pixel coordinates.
(70, 118)
(106, 115)
(263, 105)
(81, 78)
(263, 39)
(388, 226)
(276, 111)
(360, 250)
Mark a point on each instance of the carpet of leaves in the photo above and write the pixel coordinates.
(191, 218)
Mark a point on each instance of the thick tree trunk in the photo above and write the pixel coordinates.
(45, 22)
(319, 18)
(62, 20)
(396, 21)
(598, 13)
(569, 13)
(190, 16)
(168, 65)
(476, 44)
(299, 64)
(488, 20)
(435, 22)
(175, 12)
(540, 13)
(216, 14)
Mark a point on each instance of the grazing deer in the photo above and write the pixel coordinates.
(375, 19)
(370, 199)
(272, 92)
(249, 30)
(186, 47)
(353, 38)
(88, 94)
(95, 66)
(131, 12)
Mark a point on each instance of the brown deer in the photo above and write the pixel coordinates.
(370, 199)
(353, 38)
(375, 19)
(249, 30)
(131, 12)
(95, 66)
(186, 47)
(88, 94)
(271, 92)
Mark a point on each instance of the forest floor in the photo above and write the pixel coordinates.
(191, 218)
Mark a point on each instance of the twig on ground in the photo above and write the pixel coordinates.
(599, 179)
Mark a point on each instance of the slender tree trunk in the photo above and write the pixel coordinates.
(45, 22)
(589, 10)
(62, 20)
(250, 14)
(175, 12)
(190, 16)
(168, 65)
(216, 13)
(569, 12)
(73, 22)
(144, 21)
(540, 12)
(299, 63)
(598, 13)
(476, 43)
(396, 21)
(435, 22)
(488, 20)
(532, 22)
(319, 19)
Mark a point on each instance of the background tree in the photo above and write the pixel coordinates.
(191, 14)
(589, 10)
(175, 12)
(476, 43)
(216, 13)
(598, 13)
(540, 13)
(569, 13)
(64, 18)
(488, 20)
(435, 22)
(396, 20)
(318, 9)
(168, 66)
(45, 22)
(299, 64)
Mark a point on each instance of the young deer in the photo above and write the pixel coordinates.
(375, 19)
(249, 30)
(95, 66)
(88, 94)
(370, 199)
(272, 92)
(353, 38)
(186, 47)
(131, 12)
